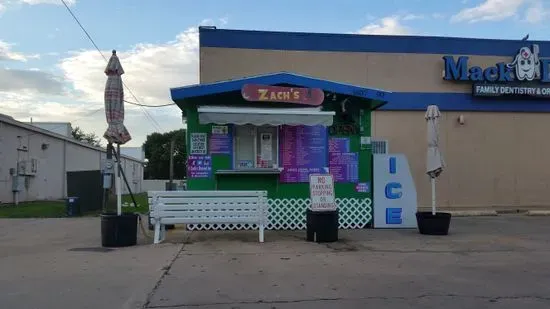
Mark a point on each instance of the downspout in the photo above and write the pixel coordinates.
(64, 170)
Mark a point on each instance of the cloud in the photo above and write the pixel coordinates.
(30, 80)
(7, 53)
(56, 2)
(390, 25)
(491, 10)
(4, 4)
(536, 13)
(413, 17)
(150, 71)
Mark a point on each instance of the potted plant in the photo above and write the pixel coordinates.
(433, 222)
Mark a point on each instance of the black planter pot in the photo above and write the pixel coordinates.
(322, 226)
(119, 231)
(429, 224)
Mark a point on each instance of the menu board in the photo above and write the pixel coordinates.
(343, 164)
(199, 166)
(303, 151)
(338, 145)
(221, 140)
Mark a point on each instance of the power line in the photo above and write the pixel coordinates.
(153, 121)
(138, 104)
(61, 125)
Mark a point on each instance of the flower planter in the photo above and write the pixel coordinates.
(429, 224)
(119, 231)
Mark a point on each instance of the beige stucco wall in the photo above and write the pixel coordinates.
(494, 159)
(60, 157)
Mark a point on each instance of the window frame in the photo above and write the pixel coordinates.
(257, 144)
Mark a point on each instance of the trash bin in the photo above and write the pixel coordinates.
(73, 207)
(322, 226)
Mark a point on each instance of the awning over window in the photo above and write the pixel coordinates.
(264, 116)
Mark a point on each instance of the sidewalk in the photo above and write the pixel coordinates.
(59, 263)
(486, 262)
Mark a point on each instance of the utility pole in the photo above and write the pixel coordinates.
(108, 179)
(172, 145)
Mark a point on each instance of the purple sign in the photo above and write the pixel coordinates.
(338, 144)
(344, 166)
(363, 187)
(199, 166)
(303, 151)
(221, 140)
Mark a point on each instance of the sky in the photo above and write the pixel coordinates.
(50, 71)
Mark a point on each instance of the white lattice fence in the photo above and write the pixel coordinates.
(290, 214)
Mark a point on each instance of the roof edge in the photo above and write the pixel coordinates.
(32, 128)
(283, 77)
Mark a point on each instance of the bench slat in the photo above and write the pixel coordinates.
(225, 208)
(209, 201)
(207, 193)
(194, 220)
(202, 213)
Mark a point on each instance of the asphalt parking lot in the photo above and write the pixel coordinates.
(486, 262)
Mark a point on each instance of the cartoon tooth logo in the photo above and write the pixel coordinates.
(526, 64)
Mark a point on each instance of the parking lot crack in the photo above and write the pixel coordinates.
(165, 272)
(296, 301)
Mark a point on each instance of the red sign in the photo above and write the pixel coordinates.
(263, 93)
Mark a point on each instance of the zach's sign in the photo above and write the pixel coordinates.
(504, 78)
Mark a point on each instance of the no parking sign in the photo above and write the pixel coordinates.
(321, 189)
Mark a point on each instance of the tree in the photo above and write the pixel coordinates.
(89, 138)
(157, 154)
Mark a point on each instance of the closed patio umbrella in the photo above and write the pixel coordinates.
(434, 158)
(114, 103)
(116, 132)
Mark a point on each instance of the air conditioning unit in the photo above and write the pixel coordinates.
(32, 167)
(22, 168)
(27, 167)
(380, 146)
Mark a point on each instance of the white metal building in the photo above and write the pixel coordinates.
(41, 159)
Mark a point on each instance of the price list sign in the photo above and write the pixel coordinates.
(221, 140)
(303, 151)
(343, 164)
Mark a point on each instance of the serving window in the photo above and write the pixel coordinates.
(256, 147)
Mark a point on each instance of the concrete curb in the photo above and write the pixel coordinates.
(473, 213)
(538, 213)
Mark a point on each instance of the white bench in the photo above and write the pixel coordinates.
(207, 207)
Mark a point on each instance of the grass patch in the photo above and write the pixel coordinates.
(141, 200)
(43, 209)
(57, 209)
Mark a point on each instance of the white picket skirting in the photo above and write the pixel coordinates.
(290, 214)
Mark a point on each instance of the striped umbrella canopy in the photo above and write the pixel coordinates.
(114, 103)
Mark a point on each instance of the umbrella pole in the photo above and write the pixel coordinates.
(433, 195)
(118, 184)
